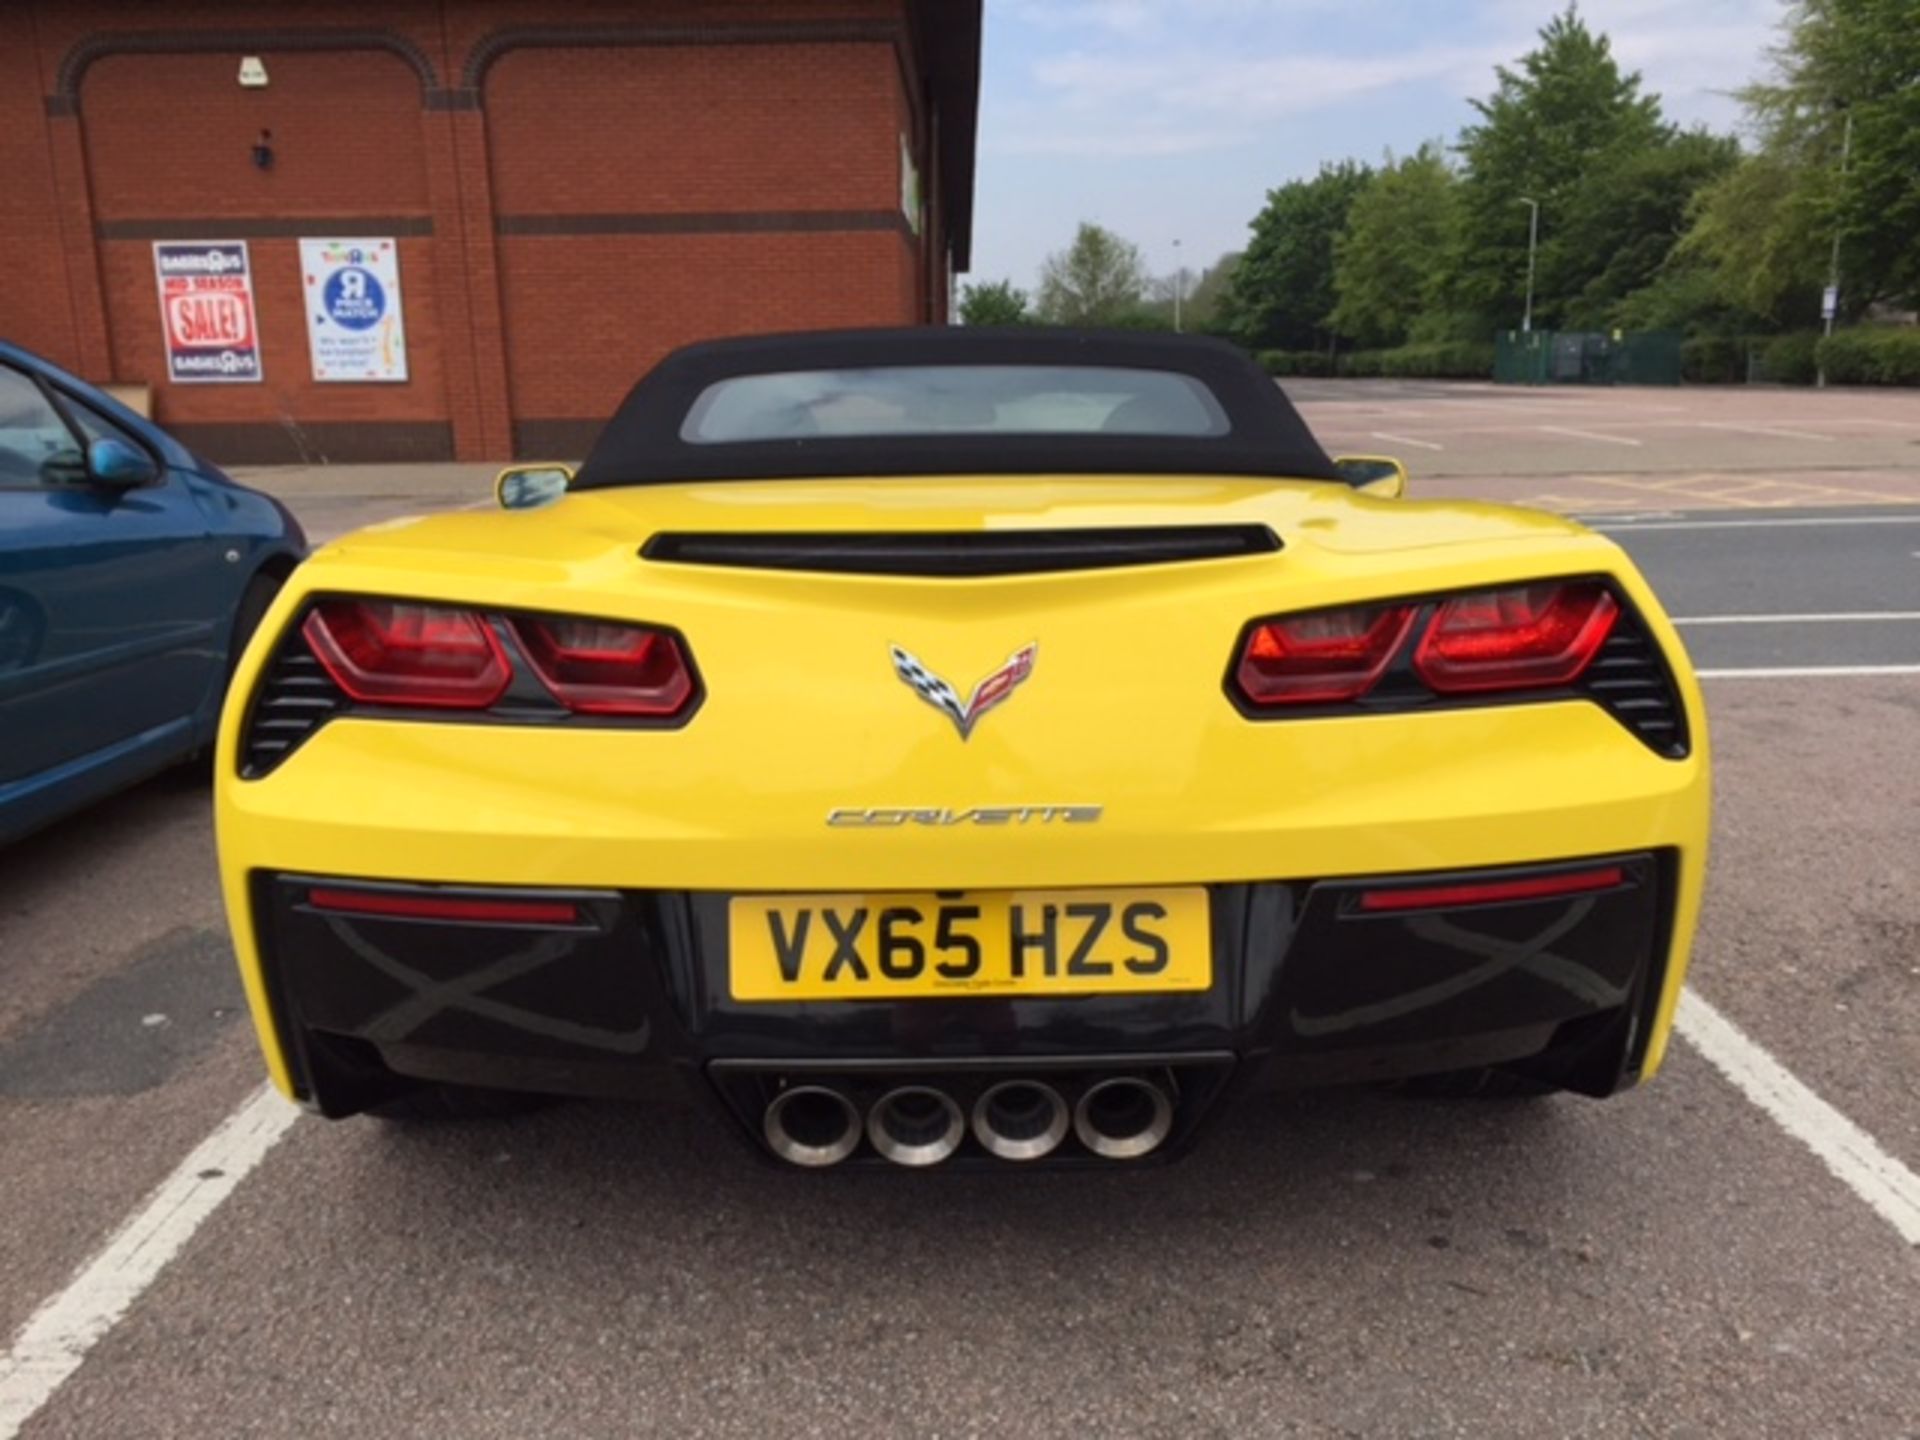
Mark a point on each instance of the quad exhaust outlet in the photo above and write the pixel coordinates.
(816, 1124)
(812, 1125)
(1020, 1119)
(1123, 1118)
(916, 1125)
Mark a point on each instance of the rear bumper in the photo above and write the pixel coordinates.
(630, 997)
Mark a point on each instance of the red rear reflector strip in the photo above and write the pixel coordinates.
(1488, 892)
(445, 907)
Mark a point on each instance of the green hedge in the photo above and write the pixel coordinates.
(1295, 362)
(1863, 356)
(1789, 359)
(1871, 356)
(1713, 360)
(1451, 360)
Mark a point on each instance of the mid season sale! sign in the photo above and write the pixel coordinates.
(206, 311)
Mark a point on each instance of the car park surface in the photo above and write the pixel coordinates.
(1674, 1261)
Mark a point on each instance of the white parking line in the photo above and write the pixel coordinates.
(1854, 1157)
(1808, 672)
(1761, 430)
(1761, 524)
(1588, 435)
(1406, 440)
(52, 1344)
(1854, 617)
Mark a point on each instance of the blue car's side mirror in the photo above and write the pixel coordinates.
(116, 463)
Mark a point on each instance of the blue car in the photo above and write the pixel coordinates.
(131, 575)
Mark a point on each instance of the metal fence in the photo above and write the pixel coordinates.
(1586, 357)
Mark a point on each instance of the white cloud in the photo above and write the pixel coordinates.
(1177, 77)
(1256, 89)
(1122, 17)
(1082, 103)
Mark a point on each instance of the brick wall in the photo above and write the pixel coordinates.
(688, 219)
(34, 308)
(349, 160)
(576, 188)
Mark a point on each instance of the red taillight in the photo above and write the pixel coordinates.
(395, 652)
(1323, 657)
(389, 904)
(1488, 892)
(598, 668)
(1522, 636)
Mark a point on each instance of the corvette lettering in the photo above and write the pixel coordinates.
(993, 815)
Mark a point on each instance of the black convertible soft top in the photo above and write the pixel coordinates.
(1256, 431)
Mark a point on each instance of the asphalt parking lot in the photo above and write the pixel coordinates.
(1733, 1250)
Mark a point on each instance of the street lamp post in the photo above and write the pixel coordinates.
(1533, 245)
(1830, 302)
(1179, 284)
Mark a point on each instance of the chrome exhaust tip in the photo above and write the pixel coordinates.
(1123, 1118)
(1020, 1119)
(811, 1125)
(916, 1125)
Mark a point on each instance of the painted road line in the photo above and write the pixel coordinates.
(1853, 617)
(1854, 1157)
(1589, 435)
(1761, 430)
(1808, 672)
(54, 1342)
(1406, 440)
(1767, 524)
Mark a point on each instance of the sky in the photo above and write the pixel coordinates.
(1169, 120)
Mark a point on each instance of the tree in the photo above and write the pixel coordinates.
(1621, 228)
(1565, 116)
(1386, 259)
(1282, 290)
(1199, 296)
(1756, 235)
(1203, 303)
(993, 302)
(1099, 279)
(1841, 60)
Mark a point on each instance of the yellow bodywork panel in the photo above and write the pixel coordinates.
(1126, 709)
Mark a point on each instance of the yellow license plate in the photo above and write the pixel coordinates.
(1014, 942)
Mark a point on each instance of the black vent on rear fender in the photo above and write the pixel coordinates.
(295, 699)
(962, 554)
(1630, 680)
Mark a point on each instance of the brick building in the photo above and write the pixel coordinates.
(573, 188)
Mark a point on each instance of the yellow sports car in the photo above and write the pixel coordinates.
(997, 746)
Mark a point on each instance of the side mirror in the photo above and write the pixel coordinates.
(1374, 474)
(122, 466)
(528, 487)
